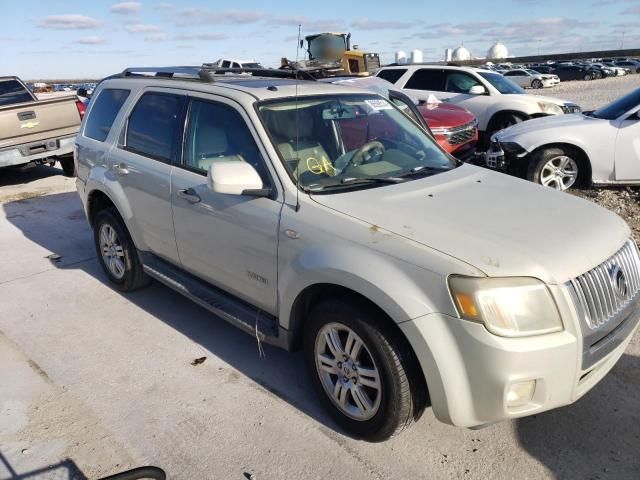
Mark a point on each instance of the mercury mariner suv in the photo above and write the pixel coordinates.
(321, 217)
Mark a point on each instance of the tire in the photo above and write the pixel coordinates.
(497, 123)
(68, 166)
(559, 167)
(402, 394)
(587, 77)
(125, 271)
(537, 84)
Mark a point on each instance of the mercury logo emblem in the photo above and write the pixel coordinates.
(619, 282)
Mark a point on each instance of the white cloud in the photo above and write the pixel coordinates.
(202, 36)
(165, 6)
(308, 24)
(92, 40)
(69, 22)
(202, 16)
(142, 28)
(366, 24)
(126, 8)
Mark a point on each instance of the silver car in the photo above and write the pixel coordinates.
(320, 217)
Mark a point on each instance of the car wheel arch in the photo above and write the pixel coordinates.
(98, 199)
(582, 155)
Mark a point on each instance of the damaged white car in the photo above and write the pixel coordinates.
(600, 147)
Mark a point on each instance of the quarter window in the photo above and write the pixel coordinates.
(392, 75)
(217, 133)
(104, 111)
(153, 126)
(427, 79)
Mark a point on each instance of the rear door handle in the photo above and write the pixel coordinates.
(121, 169)
(189, 195)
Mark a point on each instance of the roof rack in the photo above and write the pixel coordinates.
(211, 73)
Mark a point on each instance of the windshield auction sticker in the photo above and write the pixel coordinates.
(379, 104)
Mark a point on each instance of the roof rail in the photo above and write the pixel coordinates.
(210, 73)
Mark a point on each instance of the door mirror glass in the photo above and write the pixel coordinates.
(477, 90)
(235, 177)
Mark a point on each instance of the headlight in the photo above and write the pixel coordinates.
(550, 108)
(508, 307)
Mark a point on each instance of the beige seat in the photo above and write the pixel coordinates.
(304, 153)
(211, 145)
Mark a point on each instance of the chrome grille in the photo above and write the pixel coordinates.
(462, 134)
(606, 290)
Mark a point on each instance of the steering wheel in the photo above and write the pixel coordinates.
(362, 155)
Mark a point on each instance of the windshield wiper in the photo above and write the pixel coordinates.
(349, 181)
(423, 170)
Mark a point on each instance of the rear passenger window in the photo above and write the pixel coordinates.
(153, 126)
(217, 133)
(460, 82)
(104, 110)
(392, 75)
(427, 79)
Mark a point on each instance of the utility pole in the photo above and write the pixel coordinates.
(622, 42)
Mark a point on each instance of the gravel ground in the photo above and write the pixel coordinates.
(623, 201)
(593, 94)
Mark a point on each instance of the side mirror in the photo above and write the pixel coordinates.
(235, 177)
(477, 90)
(82, 92)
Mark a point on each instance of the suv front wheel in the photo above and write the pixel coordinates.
(364, 372)
(117, 254)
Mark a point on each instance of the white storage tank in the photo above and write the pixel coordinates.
(498, 51)
(416, 56)
(447, 55)
(461, 54)
(401, 56)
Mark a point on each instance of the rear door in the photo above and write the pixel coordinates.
(426, 81)
(520, 77)
(141, 164)
(229, 240)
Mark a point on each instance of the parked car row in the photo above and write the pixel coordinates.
(323, 217)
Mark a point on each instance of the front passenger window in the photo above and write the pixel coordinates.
(216, 133)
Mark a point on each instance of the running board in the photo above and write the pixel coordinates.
(228, 307)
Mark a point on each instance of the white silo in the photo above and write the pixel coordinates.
(461, 54)
(498, 51)
(447, 55)
(401, 56)
(416, 56)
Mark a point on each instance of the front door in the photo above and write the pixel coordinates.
(627, 159)
(229, 240)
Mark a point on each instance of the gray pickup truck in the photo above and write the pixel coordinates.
(37, 131)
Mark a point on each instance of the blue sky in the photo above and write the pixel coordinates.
(94, 38)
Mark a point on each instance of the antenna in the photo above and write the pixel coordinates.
(297, 131)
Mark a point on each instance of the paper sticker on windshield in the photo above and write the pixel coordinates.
(379, 104)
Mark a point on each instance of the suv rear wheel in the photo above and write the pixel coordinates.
(117, 254)
(364, 372)
(68, 166)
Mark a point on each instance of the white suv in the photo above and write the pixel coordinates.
(321, 217)
(496, 101)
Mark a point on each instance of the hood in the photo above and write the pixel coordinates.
(503, 226)
(557, 101)
(552, 122)
(445, 115)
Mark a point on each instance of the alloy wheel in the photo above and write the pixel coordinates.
(347, 371)
(559, 172)
(112, 251)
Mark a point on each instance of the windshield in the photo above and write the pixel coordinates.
(532, 72)
(618, 107)
(330, 142)
(251, 65)
(501, 83)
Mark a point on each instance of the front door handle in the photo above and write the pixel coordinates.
(121, 169)
(189, 195)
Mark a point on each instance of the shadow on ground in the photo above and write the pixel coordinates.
(56, 222)
(19, 176)
(598, 437)
(64, 470)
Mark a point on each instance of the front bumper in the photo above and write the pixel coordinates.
(23, 154)
(469, 371)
